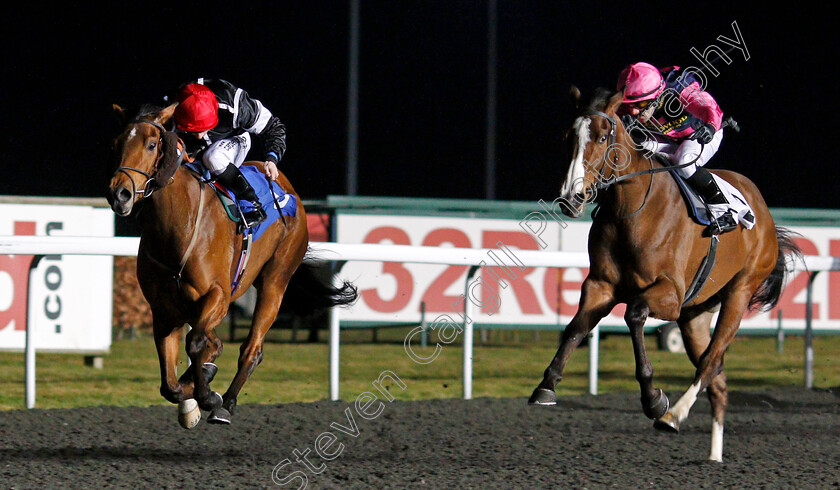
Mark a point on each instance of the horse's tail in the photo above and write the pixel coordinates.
(768, 293)
(311, 290)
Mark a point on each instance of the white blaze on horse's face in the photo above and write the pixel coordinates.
(575, 178)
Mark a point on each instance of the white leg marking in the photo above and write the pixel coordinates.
(577, 170)
(681, 408)
(717, 442)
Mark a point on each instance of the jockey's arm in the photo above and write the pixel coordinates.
(702, 105)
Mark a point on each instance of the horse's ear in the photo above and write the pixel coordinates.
(614, 102)
(119, 113)
(166, 114)
(574, 96)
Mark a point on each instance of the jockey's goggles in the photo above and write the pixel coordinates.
(643, 104)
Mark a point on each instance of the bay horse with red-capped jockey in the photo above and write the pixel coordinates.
(645, 251)
(189, 256)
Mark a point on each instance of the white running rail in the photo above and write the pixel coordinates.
(343, 252)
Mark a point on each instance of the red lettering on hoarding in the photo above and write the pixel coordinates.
(402, 276)
(566, 285)
(522, 289)
(17, 267)
(434, 297)
(552, 289)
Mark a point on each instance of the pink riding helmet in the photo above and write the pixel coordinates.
(640, 81)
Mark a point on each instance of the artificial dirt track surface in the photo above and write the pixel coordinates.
(787, 438)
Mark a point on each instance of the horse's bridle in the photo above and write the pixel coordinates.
(604, 182)
(151, 184)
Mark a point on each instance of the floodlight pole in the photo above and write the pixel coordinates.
(490, 135)
(353, 101)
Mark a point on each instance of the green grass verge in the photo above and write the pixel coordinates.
(509, 364)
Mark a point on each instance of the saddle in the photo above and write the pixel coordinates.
(696, 207)
(275, 201)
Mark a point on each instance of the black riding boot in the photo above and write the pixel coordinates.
(704, 183)
(233, 179)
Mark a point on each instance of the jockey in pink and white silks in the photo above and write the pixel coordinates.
(682, 121)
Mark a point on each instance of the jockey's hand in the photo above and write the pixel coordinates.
(271, 170)
(705, 134)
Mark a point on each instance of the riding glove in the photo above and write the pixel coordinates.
(705, 133)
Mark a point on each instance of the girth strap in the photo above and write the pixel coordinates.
(703, 272)
(243, 260)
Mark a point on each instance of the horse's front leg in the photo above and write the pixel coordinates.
(662, 301)
(204, 346)
(654, 401)
(167, 342)
(597, 300)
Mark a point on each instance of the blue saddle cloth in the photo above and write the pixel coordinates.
(287, 202)
(696, 207)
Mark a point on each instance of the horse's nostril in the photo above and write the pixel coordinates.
(123, 195)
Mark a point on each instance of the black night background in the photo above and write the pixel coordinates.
(422, 87)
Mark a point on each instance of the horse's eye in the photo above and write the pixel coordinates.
(152, 145)
(603, 139)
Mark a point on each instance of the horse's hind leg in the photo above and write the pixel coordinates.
(710, 362)
(696, 338)
(269, 297)
(596, 302)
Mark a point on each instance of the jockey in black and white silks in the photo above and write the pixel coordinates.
(216, 120)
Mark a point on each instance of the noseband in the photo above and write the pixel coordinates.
(151, 184)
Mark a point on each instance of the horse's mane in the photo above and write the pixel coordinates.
(599, 99)
(148, 110)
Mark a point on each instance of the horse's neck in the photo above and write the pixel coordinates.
(626, 197)
(632, 201)
(173, 210)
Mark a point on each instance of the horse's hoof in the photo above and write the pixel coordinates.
(658, 406)
(188, 413)
(543, 397)
(667, 423)
(213, 402)
(219, 416)
(209, 371)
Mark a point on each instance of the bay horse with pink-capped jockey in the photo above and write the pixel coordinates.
(647, 252)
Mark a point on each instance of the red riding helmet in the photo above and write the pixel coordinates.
(198, 109)
(640, 81)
